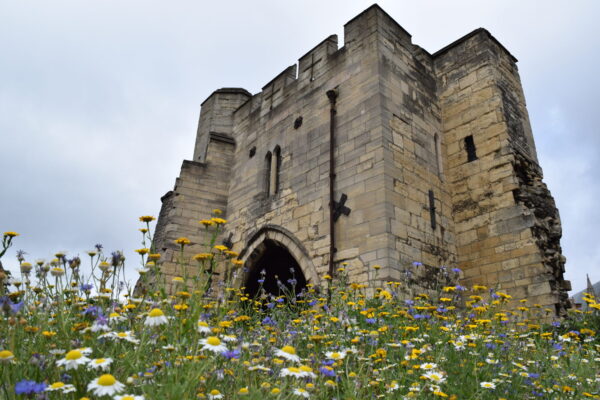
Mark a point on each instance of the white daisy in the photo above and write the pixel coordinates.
(435, 376)
(129, 397)
(203, 327)
(335, 355)
(6, 356)
(229, 338)
(428, 366)
(105, 385)
(302, 392)
(127, 336)
(259, 367)
(100, 363)
(213, 343)
(488, 385)
(393, 386)
(215, 394)
(62, 387)
(116, 317)
(302, 372)
(155, 318)
(73, 359)
(287, 352)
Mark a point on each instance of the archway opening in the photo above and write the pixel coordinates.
(274, 269)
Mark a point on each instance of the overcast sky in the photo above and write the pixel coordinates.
(99, 101)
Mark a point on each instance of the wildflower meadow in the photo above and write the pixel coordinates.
(71, 328)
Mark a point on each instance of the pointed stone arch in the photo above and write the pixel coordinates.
(270, 235)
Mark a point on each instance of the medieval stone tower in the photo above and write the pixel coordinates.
(427, 157)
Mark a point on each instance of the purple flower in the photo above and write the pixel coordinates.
(86, 287)
(370, 320)
(417, 264)
(8, 306)
(229, 354)
(456, 270)
(29, 387)
(268, 321)
(327, 371)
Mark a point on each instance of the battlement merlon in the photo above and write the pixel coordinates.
(216, 116)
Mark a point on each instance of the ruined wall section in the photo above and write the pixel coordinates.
(495, 241)
(200, 188)
(421, 229)
(533, 193)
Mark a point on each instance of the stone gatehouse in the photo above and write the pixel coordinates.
(427, 157)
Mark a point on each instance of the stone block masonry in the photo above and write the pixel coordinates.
(434, 153)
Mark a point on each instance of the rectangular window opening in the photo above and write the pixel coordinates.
(470, 148)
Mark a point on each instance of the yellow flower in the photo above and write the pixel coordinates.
(376, 267)
(237, 262)
(10, 234)
(221, 247)
(6, 355)
(216, 211)
(142, 251)
(219, 221)
(147, 218)
(183, 241)
(243, 391)
(154, 256)
(206, 222)
(202, 256)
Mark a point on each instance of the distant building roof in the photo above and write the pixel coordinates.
(578, 297)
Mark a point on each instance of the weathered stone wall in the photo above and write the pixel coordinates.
(301, 204)
(401, 157)
(480, 96)
(421, 228)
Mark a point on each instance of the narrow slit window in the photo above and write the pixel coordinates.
(267, 176)
(470, 148)
(432, 209)
(438, 154)
(276, 169)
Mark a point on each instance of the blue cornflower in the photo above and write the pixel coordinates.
(327, 371)
(229, 354)
(86, 287)
(370, 320)
(29, 387)
(268, 321)
(557, 346)
(7, 305)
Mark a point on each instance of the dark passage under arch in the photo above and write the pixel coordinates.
(278, 265)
